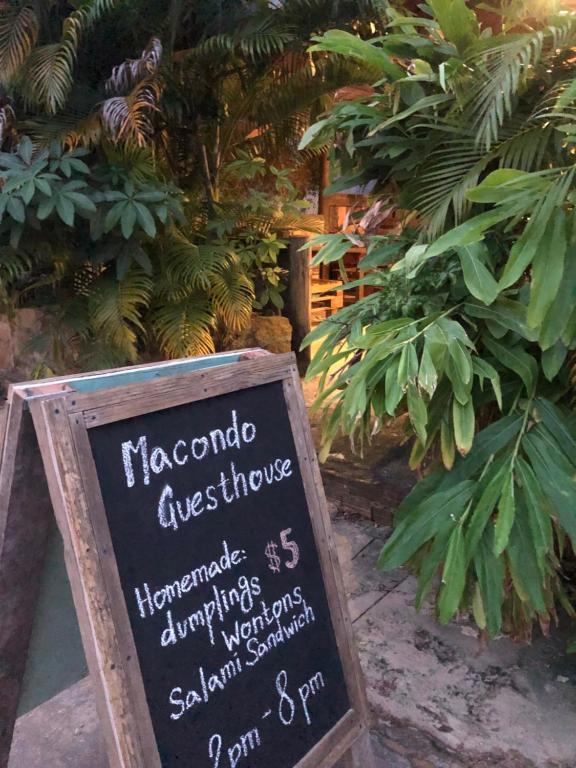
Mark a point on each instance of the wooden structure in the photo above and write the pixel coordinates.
(26, 527)
(63, 411)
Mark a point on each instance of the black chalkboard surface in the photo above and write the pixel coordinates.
(220, 573)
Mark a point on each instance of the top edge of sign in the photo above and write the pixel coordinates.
(94, 381)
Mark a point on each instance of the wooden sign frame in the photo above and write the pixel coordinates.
(26, 515)
(62, 422)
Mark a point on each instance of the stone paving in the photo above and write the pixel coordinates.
(440, 700)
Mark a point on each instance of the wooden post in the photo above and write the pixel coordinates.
(299, 297)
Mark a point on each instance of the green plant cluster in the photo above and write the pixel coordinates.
(470, 131)
(126, 262)
(126, 126)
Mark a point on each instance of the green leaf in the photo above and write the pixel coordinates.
(478, 608)
(346, 44)
(422, 104)
(453, 577)
(15, 208)
(558, 315)
(145, 219)
(427, 374)
(462, 361)
(557, 420)
(536, 235)
(490, 571)
(464, 425)
(481, 513)
(394, 392)
(487, 443)
(44, 186)
(469, 232)
(457, 22)
(312, 133)
(485, 371)
(332, 248)
(114, 215)
(447, 444)
(461, 390)
(408, 365)
(557, 485)
(547, 270)
(492, 189)
(524, 568)
(417, 412)
(26, 149)
(538, 515)
(28, 191)
(553, 359)
(422, 522)
(65, 209)
(506, 513)
(82, 202)
(479, 280)
(434, 558)
(516, 359)
(45, 208)
(128, 221)
(509, 314)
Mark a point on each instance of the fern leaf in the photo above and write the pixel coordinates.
(48, 74)
(127, 75)
(115, 309)
(184, 327)
(18, 35)
(128, 118)
(232, 297)
(504, 68)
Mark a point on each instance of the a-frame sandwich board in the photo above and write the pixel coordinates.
(27, 526)
(74, 489)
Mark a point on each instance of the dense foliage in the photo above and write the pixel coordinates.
(127, 128)
(469, 329)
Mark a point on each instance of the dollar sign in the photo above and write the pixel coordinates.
(274, 561)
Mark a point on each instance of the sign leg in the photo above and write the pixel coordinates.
(361, 755)
(25, 514)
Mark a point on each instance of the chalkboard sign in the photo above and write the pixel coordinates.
(203, 570)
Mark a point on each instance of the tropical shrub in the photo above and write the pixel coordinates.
(153, 111)
(471, 324)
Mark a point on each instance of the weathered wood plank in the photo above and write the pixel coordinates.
(89, 559)
(127, 402)
(24, 523)
(299, 297)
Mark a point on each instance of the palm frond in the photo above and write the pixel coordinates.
(13, 264)
(128, 118)
(188, 265)
(115, 309)
(127, 75)
(448, 173)
(138, 162)
(525, 150)
(503, 68)
(47, 76)
(18, 34)
(232, 297)
(260, 36)
(505, 64)
(184, 327)
(48, 73)
(7, 121)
